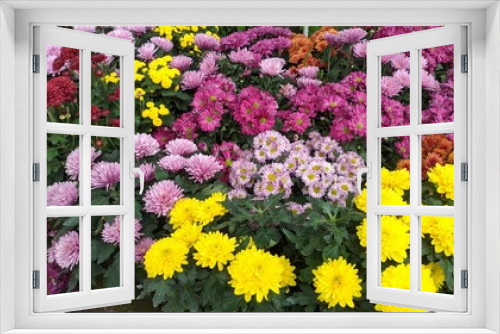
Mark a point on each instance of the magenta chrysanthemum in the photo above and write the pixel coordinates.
(67, 250)
(181, 147)
(161, 197)
(105, 174)
(202, 167)
(62, 194)
(145, 145)
(172, 163)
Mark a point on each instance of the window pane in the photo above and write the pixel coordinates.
(63, 170)
(105, 174)
(63, 84)
(395, 89)
(105, 90)
(105, 252)
(437, 85)
(437, 254)
(395, 170)
(63, 255)
(395, 251)
(437, 170)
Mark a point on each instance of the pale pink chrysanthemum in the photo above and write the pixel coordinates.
(403, 77)
(181, 147)
(309, 71)
(172, 163)
(73, 162)
(145, 145)
(288, 90)
(163, 43)
(208, 65)
(147, 51)
(429, 82)
(242, 56)
(202, 167)
(111, 232)
(348, 36)
(121, 33)
(138, 29)
(390, 86)
(305, 82)
(359, 49)
(206, 42)
(105, 174)
(149, 171)
(191, 79)
(272, 66)
(142, 247)
(400, 61)
(67, 250)
(161, 197)
(62, 194)
(85, 28)
(181, 62)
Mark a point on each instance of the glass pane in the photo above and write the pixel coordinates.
(437, 170)
(395, 251)
(437, 84)
(105, 252)
(437, 254)
(63, 84)
(105, 174)
(395, 170)
(63, 170)
(105, 90)
(395, 89)
(63, 255)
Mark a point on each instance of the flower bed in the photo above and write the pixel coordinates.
(250, 139)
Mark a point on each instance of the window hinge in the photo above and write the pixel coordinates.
(36, 63)
(465, 279)
(36, 279)
(465, 64)
(464, 171)
(36, 172)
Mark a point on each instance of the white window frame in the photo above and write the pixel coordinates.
(482, 18)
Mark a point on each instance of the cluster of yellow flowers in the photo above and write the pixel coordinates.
(185, 34)
(337, 282)
(153, 113)
(191, 211)
(161, 74)
(139, 67)
(112, 77)
(255, 272)
(399, 277)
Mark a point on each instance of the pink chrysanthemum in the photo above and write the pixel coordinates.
(206, 42)
(172, 163)
(73, 162)
(298, 122)
(149, 171)
(272, 66)
(202, 167)
(147, 51)
(62, 194)
(181, 147)
(90, 29)
(348, 36)
(209, 121)
(111, 232)
(359, 49)
(163, 43)
(309, 71)
(145, 145)
(121, 33)
(181, 62)
(161, 197)
(142, 247)
(390, 86)
(67, 250)
(192, 79)
(105, 174)
(243, 56)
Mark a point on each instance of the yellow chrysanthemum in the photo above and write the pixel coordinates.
(443, 179)
(214, 248)
(184, 212)
(188, 233)
(395, 239)
(389, 197)
(337, 282)
(255, 272)
(442, 235)
(437, 275)
(139, 94)
(399, 278)
(287, 275)
(210, 208)
(166, 257)
(397, 180)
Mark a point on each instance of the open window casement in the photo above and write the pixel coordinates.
(418, 211)
(78, 204)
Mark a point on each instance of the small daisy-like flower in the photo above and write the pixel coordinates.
(214, 249)
(62, 194)
(316, 190)
(238, 193)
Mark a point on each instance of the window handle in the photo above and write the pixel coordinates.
(361, 171)
(139, 171)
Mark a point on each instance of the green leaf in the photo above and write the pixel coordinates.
(112, 274)
(101, 251)
(51, 153)
(267, 237)
(72, 221)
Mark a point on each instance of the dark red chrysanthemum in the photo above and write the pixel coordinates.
(69, 57)
(59, 90)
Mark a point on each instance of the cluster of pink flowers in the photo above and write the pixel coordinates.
(255, 110)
